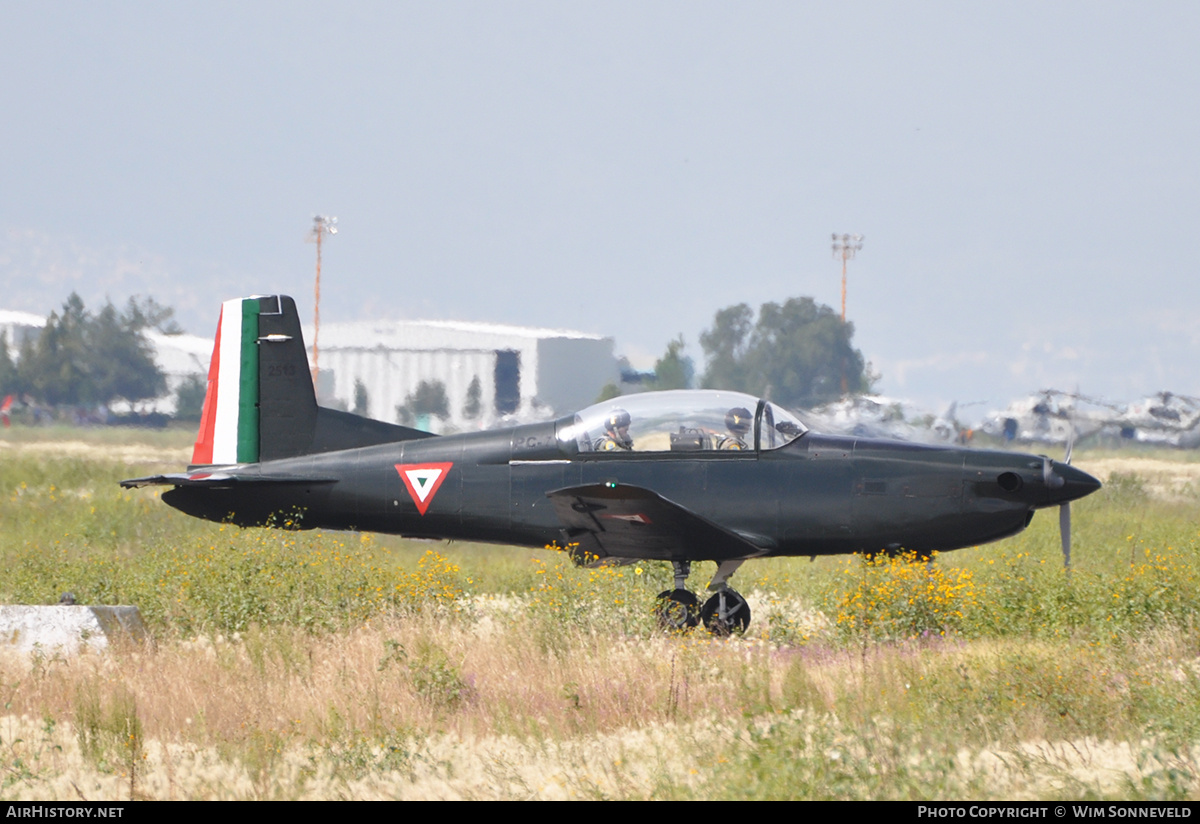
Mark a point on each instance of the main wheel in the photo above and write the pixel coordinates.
(677, 610)
(733, 617)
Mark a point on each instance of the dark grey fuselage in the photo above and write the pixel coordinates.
(817, 495)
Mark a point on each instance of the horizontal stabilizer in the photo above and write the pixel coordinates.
(632, 522)
(219, 479)
(336, 430)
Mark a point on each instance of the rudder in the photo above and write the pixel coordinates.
(260, 404)
(229, 423)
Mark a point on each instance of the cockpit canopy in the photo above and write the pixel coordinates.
(679, 421)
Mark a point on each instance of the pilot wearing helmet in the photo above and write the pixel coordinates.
(616, 433)
(737, 421)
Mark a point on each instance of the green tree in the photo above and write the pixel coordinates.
(81, 359)
(122, 360)
(797, 353)
(147, 313)
(429, 398)
(674, 370)
(189, 398)
(360, 397)
(607, 392)
(9, 384)
(725, 346)
(474, 403)
(56, 369)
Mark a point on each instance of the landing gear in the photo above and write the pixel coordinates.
(677, 610)
(724, 613)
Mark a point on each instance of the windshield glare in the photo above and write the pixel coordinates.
(679, 421)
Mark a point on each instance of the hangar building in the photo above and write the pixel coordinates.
(17, 327)
(523, 373)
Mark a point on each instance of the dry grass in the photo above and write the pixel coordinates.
(378, 678)
(521, 677)
(1171, 480)
(441, 709)
(393, 709)
(128, 454)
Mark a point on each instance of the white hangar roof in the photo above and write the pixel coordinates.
(548, 370)
(434, 334)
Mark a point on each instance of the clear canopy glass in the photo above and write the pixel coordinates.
(680, 421)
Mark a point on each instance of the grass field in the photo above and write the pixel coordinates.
(333, 665)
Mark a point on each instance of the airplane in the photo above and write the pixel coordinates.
(679, 476)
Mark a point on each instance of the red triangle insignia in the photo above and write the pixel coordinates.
(423, 481)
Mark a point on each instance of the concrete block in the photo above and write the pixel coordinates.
(68, 629)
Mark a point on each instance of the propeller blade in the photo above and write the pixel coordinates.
(1064, 510)
(1071, 433)
(1064, 530)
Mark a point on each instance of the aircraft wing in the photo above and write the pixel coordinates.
(622, 521)
(219, 479)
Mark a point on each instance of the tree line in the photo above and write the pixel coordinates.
(799, 353)
(82, 358)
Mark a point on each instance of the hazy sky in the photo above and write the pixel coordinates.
(1026, 173)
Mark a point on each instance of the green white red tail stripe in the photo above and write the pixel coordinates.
(229, 423)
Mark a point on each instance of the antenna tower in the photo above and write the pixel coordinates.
(845, 247)
(322, 225)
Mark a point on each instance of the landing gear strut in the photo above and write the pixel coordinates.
(724, 613)
(678, 609)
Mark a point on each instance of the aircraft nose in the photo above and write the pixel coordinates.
(1075, 483)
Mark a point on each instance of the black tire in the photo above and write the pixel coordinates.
(677, 610)
(737, 613)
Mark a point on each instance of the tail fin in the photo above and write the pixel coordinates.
(260, 404)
